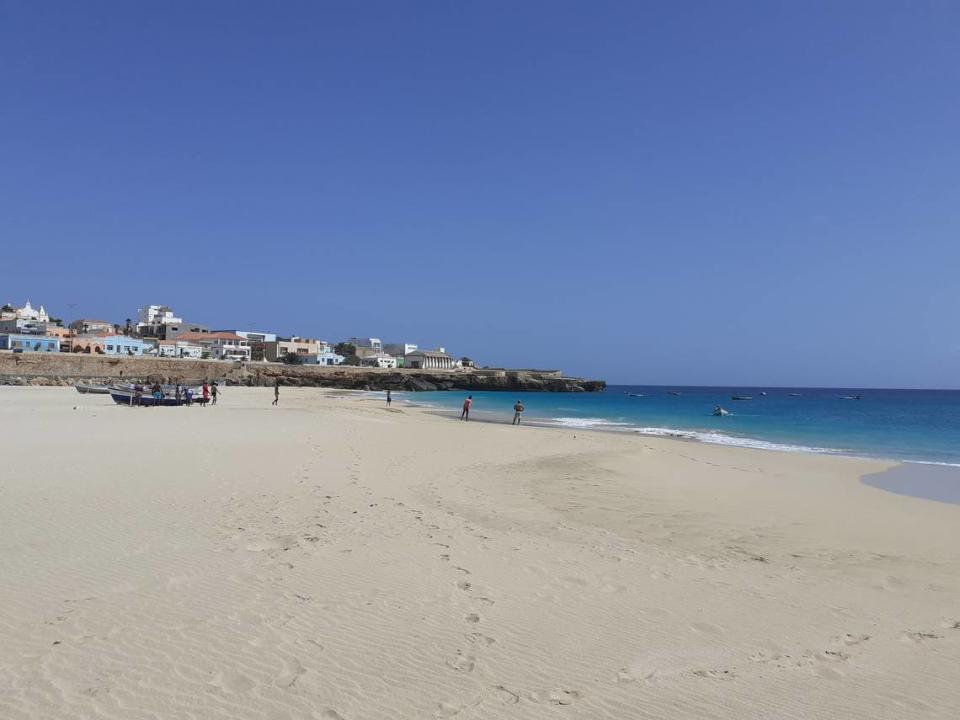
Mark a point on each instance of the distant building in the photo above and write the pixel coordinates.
(399, 349)
(122, 345)
(27, 312)
(369, 343)
(156, 315)
(29, 343)
(219, 345)
(429, 360)
(325, 358)
(181, 349)
(253, 336)
(301, 347)
(171, 331)
(58, 331)
(92, 327)
(258, 342)
(380, 360)
(89, 345)
(20, 326)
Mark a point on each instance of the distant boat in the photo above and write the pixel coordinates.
(849, 397)
(674, 393)
(89, 389)
(635, 394)
(720, 412)
(740, 397)
(796, 394)
(763, 394)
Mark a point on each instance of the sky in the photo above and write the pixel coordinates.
(737, 193)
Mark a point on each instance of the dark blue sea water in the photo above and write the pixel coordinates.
(913, 425)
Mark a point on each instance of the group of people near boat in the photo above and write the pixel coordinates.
(183, 394)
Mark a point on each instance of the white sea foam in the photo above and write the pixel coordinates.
(931, 462)
(717, 438)
(575, 422)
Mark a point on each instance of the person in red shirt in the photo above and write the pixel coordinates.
(465, 415)
(206, 394)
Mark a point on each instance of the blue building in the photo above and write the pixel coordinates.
(122, 345)
(29, 343)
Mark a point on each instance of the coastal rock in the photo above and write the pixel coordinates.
(64, 369)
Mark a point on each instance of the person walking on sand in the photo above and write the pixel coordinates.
(214, 391)
(465, 415)
(206, 393)
(389, 399)
(276, 391)
(517, 412)
(178, 394)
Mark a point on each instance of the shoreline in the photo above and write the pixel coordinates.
(919, 478)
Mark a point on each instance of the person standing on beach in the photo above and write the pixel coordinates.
(465, 415)
(389, 399)
(206, 393)
(214, 391)
(157, 394)
(178, 394)
(276, 391)
(517, 412)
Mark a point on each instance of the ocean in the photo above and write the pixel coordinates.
(908, 425)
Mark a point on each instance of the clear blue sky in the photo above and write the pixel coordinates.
(691, 192)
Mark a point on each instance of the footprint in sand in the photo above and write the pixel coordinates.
(293, 671)
(463, 663)
(920, 636)
(480, 639)
(331, 714)
(446, 710)
(472, 618)
(506, 695)
(706, 628)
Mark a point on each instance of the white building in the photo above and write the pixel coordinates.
(220, 345)
(254, 337)
(380, 360)
(156, 315)
(27, 312)
(179, 349)
(429, 360)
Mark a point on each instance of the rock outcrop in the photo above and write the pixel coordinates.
(64, 369)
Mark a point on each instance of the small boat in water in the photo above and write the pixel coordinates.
(849, 397)
(796, 394)
(740, 397)
(635, 394)
(675, 393)
(720, 412)
(90, 389)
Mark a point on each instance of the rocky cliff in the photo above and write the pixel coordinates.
(64, 369)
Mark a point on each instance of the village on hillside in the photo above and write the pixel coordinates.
(158, 332)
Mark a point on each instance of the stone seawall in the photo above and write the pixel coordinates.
(65, 369)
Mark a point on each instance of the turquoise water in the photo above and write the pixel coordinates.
(912, 425)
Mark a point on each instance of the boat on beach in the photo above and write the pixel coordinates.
(91, 389)
(130, 395)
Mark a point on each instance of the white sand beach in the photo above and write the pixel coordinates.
(329, 558)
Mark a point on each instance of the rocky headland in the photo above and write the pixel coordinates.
(64, 369)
